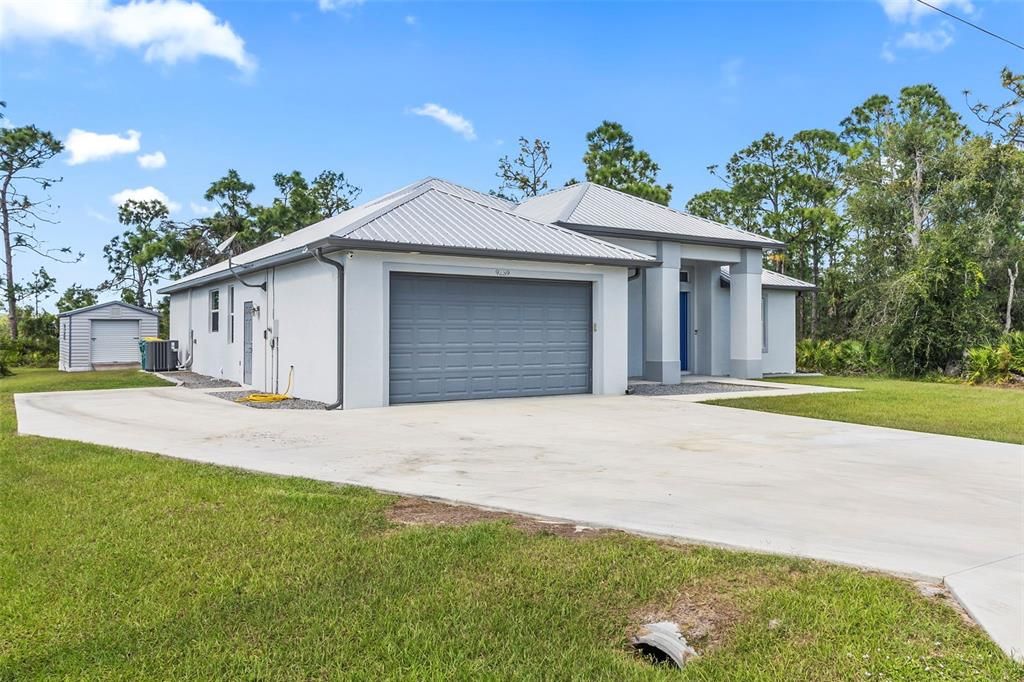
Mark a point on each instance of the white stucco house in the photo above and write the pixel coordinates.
(438, 292)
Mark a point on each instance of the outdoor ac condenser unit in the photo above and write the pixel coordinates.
(161, 356)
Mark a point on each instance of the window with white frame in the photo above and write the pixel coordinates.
(215, 311)
(231, 314)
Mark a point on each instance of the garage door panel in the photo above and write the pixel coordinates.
(456, 360)
(115, 341)
(457, 338)
(484, 335)
(512, 358)
(579, 358)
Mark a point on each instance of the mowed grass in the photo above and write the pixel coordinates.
(989, 413)
(122, 565)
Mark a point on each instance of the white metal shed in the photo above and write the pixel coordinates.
(104, 335)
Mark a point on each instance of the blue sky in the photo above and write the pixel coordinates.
(265, 87)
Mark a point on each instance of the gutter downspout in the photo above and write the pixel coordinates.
(318, 253)
(186, 364)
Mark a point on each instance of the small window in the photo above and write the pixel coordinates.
(231, 314)
(214, 311)
(764, 325)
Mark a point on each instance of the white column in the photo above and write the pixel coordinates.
(661, 340)
(366, 321)
(611, 341)
(745, 316)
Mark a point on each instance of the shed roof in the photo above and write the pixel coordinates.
(601, 210)
(97, 306)
(433, 216)
(775, 280)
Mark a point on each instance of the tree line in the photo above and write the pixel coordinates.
(909, 223)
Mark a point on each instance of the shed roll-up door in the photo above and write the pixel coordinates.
(459, 338)
(115, 341)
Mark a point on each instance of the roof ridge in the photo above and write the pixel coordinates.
(574, 202)
(679, 212)
(552, 191)
(402, 192)
(552, 226)
(443, 181)
(101, 304)
(417, 190)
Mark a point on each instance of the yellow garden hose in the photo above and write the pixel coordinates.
(269, 397)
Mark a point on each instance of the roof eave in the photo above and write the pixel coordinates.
(777, 287)
(789, 287)
(239, 269)
(605, 231)
(371, 245)
(96, 306)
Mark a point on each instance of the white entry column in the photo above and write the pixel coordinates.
(366, 289)
(745, 316)
(661, 340)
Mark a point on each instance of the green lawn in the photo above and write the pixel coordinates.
(956, 409)
(121, 565)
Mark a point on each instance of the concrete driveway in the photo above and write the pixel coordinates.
(909, 503)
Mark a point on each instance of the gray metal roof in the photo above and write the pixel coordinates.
(599, 210)
(775, 280)
(432, 216)
(96, 306)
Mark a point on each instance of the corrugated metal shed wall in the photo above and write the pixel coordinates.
(78, 351)
(65, 324)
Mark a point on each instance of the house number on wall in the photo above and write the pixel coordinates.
(502, 273)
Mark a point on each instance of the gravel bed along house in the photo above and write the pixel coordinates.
(691, 388)
(194, 380)
(290, 404)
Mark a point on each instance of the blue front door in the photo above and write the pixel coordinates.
(684, 330)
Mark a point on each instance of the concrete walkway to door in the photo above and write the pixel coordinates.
(910, 503)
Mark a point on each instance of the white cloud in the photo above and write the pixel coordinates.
(332, 5)
(152, 161)
(932, 41)
(167, 31)
(148, 193)
(450, 119)
(887, 54)
(410, 20)
(199, 209)
(901, 11)
(96, 215)
(85, 146)
(730, 71)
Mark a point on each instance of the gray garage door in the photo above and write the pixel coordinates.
(459, 338)
(115, 341)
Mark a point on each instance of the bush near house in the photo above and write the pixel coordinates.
(1001, 362)
(834, 357)
(998, 363)
(38, 341)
